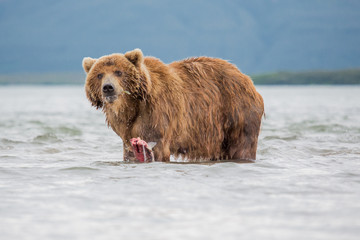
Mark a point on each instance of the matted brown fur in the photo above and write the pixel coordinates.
(199, 108)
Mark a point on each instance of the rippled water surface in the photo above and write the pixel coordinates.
(61, 175)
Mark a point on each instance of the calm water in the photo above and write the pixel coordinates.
(61, 175)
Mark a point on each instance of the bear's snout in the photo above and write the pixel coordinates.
(108, 89)
(109, 92)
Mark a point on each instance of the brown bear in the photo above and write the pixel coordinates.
(199, 108)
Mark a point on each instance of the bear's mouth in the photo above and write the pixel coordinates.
(111, 98)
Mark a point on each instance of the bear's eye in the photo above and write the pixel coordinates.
(100, 75)
(118, 73)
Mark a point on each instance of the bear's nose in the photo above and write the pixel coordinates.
(108, 88)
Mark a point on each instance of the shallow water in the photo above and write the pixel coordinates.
(61, 175)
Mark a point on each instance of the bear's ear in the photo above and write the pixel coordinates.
(135, 56)
(87, 63)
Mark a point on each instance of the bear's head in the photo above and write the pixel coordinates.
(116, 77)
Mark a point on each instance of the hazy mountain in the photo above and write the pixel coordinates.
(257, 35)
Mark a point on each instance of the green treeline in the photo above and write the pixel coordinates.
(43, 78)
(351, 76)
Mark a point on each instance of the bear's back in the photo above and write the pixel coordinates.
(203, 72)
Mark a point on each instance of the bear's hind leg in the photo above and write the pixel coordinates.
(245, 145)
(244, 151)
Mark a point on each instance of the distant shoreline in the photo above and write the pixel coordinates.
(43, 78)
(338, 77)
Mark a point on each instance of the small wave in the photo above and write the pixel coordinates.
(312, 125)
(9, 172)
(6, 147)
(333, 128)
(37, 122)
(285, 138)
(109, 163)
(69, 131)
(349, 138)
(331, 151)
(8, 144)
(47, 137)
(51, 150)
(79, 169)
(9, 157)
(9, 141)
(63, 130)
(317, 127)
(263, 164)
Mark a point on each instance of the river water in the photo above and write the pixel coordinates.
(61, 175)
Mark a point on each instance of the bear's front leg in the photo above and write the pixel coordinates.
(162, 152)
(129, 155)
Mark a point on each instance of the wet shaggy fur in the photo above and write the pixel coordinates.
(199, 108)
